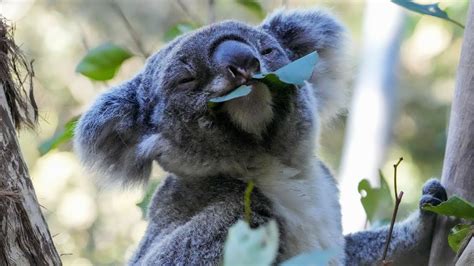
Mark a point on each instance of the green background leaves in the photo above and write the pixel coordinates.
(377, 202)
(59, 138)
(457, 235)
(102, 62)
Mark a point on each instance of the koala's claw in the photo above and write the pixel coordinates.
(433, 193)
(434, 188)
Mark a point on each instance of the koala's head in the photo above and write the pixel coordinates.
(162, 113)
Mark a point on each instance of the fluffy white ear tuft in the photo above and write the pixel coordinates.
(301, 32)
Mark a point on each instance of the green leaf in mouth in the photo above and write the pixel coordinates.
(295, 73)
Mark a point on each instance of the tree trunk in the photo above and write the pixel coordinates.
(24, 235)
(458, 168)
(365, 146)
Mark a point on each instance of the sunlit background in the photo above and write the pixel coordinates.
(102, 227)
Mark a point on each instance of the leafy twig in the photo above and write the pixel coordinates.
(136, 38)
(398, 199)
(247, 208)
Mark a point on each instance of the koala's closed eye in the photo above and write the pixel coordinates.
(187, 75)
(186, 80)
(267, 51)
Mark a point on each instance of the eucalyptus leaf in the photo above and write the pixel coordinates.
(151, 187)
(247, 246)
(103, 62)
(295, 73)
(254, 7)
(457, 235)
(241, 91)
(454, 206)
(427, 9)
(298, 71)
(63, 136)
(318, 257)
(377, 202)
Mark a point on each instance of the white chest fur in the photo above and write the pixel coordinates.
(307, 200)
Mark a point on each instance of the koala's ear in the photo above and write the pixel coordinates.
(301, 32)
(108, 134)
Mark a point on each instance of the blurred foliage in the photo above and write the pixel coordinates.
(149, 192)
(458, 234)
(259, 246)
(179, 29)
(103, 62)
(378, 203)
(428, 9)
(253, 6)
(248, 246)
(92, 227)
(60, 137)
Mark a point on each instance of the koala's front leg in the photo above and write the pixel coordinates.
(411, 239)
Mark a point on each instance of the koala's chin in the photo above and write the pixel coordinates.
(254, 112)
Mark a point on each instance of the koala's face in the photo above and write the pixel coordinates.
(211, 63)
(170, 121)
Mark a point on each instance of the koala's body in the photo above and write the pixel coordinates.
(162, 115)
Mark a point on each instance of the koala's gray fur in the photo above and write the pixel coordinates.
(161, 115)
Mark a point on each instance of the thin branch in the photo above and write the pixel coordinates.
(136, 38)
(392, 223)
(187, 12)
(398, 200)
(211, 11)
(395, 166)
(84, 41)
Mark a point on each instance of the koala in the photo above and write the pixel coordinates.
(268, 137)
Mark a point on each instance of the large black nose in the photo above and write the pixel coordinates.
(237, 59)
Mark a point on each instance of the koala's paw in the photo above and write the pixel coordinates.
(433, 193)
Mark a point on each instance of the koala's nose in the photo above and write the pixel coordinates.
(238, 60)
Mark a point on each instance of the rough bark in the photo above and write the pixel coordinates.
(24, 235)
(467, 256)
(458, 165)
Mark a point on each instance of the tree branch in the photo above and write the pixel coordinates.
(135, 37)
(459, 156)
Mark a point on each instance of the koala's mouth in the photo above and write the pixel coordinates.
(253, 112)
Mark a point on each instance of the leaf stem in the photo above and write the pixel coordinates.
(456, 23)
(247, 201)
